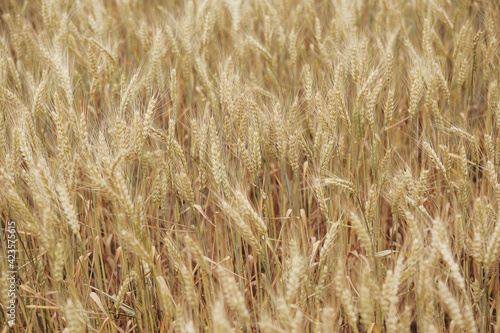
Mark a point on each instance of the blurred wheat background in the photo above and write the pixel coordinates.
(251, 166)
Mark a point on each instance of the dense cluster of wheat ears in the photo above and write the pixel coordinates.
(251, 166)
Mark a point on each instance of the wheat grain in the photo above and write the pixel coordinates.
(232, 294)
(440, 242)
(73, 319)
(219, 319)
(366, 301)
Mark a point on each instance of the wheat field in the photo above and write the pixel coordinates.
(249, 166)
